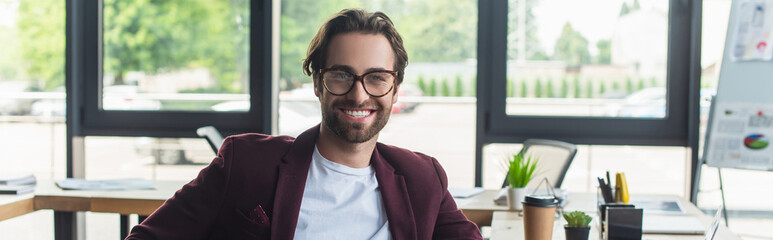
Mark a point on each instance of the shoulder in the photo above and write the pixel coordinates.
(258, 139)
(408, 162)
(250, 146)
(397, 155)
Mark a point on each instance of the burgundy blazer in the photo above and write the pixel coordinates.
(253, 190)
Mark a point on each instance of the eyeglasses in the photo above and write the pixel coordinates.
(340, 82)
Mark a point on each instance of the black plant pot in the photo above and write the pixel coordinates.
(577, 233)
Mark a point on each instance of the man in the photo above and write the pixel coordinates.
(334, 181)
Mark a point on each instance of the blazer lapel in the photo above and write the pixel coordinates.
(394, 194)
(292, 180)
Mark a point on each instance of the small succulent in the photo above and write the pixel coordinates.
(577, 219)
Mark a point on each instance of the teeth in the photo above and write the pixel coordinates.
(357, 114)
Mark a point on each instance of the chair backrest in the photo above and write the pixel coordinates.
(213, 136)
(554, 158)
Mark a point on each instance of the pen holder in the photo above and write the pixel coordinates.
(603, 209)
(623, 223)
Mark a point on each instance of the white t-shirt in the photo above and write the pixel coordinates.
(340, 202)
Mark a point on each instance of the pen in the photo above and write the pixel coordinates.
(605, 191)
(609, 182)
(601, 182)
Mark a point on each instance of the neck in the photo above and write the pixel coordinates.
(338, 150)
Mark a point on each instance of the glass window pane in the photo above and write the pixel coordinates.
(437, 96)
(32, 125)
(563, 61)
(144, 157)
(669, 164)
(32, 106)
(176, 55)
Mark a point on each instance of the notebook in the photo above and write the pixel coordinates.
(659, 206)
(16, 189)
(17, 179)
(672, 224)
(114, 184)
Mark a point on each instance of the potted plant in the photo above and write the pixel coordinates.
(519, 174)
(577, 225)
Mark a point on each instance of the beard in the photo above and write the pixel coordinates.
(354, 132)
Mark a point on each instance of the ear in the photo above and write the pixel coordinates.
(394, 96)
(316, 84)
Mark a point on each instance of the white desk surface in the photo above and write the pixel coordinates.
(509, 225)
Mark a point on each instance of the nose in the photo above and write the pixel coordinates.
(358, 93)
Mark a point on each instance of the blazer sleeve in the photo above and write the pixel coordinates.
(451, 222)
(191, 212)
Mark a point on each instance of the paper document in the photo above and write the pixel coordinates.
(16, 189)
(17, 179)
(753, 26)
(740, 136)
(663, 224)
(464, 192)
(115, 184)
(659, 206)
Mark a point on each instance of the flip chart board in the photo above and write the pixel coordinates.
(741, 121)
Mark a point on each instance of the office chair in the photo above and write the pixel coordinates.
(554, 159)
(213, 136)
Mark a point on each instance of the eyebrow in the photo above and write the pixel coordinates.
(351, 70)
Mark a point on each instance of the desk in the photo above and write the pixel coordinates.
(479, 208)
(509, 225)
(142, 202)
(12, 206)
(65, 202)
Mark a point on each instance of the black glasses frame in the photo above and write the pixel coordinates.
(358, 78)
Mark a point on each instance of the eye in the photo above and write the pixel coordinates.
(337, 75)
(374, 77)
(378, 77)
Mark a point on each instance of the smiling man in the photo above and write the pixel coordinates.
(335, 181)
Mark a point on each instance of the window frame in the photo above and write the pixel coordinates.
(95, 121)
(676, 129)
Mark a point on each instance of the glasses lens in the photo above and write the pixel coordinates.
(338, 82)
(378, 83)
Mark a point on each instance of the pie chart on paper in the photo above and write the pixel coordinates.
(756, 141)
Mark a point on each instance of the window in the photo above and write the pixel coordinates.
(169, 67)
(562, 61)
(507, 120)
(504, 119)
(175, 55)
(32, 76)
(670, 163)
(32, 56)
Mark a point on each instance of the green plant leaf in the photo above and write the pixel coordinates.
(577, 219)
(520, 171)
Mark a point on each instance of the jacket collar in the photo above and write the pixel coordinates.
(292, 180)
(394, 195)
(289, 187)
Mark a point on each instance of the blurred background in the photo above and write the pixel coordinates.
(595, 58)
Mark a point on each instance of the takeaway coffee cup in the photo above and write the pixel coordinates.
(538, 215)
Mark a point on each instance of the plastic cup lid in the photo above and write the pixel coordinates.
(541, 201)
